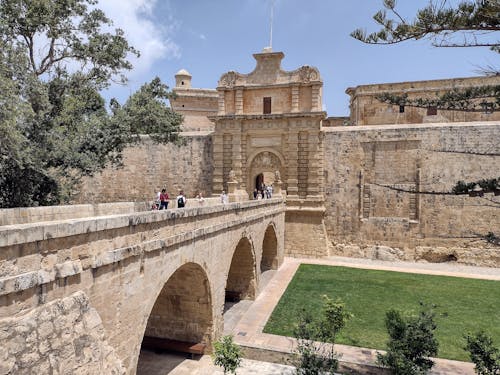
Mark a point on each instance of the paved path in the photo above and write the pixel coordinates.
(173, 364)
(248, 331)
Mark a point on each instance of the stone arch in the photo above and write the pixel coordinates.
(265, 161)
(183, 308)
(241, 280)
(269, 259)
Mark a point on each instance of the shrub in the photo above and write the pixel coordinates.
(411, 342)
(227, 354)
(315, 338)
(483, 353)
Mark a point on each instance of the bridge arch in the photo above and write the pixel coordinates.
(269, 259)
(241, 280)
(183, 308)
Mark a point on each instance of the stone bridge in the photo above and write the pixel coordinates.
(78, 295)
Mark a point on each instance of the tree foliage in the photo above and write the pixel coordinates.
(471, 23)
(315, 338)
(471, 99)
(55, 128)
(227, 354)
(411, 342)
(483, 353)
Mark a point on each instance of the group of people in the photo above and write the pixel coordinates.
(162, 199)
(264, 192)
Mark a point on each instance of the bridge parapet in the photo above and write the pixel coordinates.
(35, 254)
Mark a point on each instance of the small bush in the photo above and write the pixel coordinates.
(411, 342)
(315, 338)
(483, 353)
(227, 354)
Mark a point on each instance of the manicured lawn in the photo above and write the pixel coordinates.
(462, 304)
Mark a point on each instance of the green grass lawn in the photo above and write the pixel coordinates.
(462, 304)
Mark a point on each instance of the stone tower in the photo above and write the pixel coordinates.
(183, 79)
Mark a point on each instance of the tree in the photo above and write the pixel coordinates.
(227, 354)
(471, 23)
(483, 353)
(411, 342)
(315, 338)
(55, 58)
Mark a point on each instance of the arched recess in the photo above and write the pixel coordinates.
(269, 260)
(241, 280)
(183, 309)
(265, 162)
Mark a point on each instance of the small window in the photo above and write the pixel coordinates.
(267, 105)
(432, 111)
(401, 109)
(182, 83)
(183, 105)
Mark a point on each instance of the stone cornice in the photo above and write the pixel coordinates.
(274, 116)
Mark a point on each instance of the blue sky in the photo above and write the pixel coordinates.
(210, 37)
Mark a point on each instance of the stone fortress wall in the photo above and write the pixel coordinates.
(341, 182)
(372, 171)
(149, 167)
(366, 109)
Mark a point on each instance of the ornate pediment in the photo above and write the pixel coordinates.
(268, 72)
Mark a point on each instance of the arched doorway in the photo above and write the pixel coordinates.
(269, 259)
(241, 280)
(262, 168)
(182, 312)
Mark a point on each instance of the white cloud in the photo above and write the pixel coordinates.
(135, 18)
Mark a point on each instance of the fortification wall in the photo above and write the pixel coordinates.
(366, 109)
(371, 172)
(149, 167)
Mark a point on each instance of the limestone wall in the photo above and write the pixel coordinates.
(148, 167)
(371, 172)
(366, 109)
(62, 337)
(121, 264)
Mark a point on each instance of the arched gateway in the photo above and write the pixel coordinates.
(262, 169)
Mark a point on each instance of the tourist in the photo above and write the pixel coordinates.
(223, 197)
(262, 193)
(181, 200)
(201, 200)
(255, 193)
(157, 199)
(164, 199)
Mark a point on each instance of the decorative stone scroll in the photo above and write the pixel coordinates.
(308, 74)
(229, 79)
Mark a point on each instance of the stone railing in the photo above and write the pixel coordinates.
(38, 253)
(25, 215)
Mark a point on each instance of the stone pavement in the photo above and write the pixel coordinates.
(248, 331)
(177, 364)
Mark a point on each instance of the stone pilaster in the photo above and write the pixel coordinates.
(316, 98)
(218, 152)
(295, 98)
(292, 155)
(238, 101)
(221, 103)
(315, 169)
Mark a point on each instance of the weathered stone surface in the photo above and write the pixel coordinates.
(21, 354)
(367, 110)
(121, 266)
